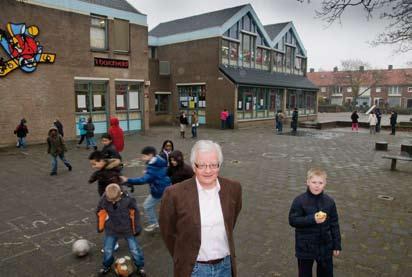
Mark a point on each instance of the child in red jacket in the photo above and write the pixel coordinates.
(117, 134)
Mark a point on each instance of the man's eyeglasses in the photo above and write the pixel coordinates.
(204, 166)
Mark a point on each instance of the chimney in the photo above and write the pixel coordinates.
(335, 69)
(361, 68)
(390, 67)
(312, 70)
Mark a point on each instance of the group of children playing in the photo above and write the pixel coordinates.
(117, 212)
(313, 214)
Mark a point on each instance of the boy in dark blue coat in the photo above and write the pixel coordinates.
(314, 216)
(156, 176)
(118, 216)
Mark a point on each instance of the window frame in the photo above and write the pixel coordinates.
(106, 36)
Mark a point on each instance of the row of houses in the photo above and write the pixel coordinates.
(389, 88)
(96, 58)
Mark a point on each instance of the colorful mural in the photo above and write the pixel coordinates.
(24, 51)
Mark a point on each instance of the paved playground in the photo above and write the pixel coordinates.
(41, 216)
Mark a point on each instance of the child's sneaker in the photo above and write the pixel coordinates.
(116, 246)
(104, 270)
(141, 272)
(151, 227)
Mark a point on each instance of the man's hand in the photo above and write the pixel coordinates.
(336, 253)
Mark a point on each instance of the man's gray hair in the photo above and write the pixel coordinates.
(205, 146)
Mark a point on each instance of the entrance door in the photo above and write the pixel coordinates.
(91, 101)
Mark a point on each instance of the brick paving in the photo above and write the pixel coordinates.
(41, 215)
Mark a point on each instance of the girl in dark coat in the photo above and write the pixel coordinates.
(294, 122)
(21, 132)
(178, 170)
(317, 234)
(393, 118)
(167, 148)
(354, 117)
(56, 148)
(90, 141)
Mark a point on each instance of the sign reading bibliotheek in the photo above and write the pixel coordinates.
(111, 63)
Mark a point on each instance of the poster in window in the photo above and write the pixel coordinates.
(261, 102)
(240, 105)
(97, 101)
(191, 104)
(119, 101)
(81, 101)
(134, 99)
(247, 106)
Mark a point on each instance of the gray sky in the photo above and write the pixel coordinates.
(326, 47)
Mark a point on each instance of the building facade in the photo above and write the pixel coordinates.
(390, 88)
(72, 59)
(228, 60)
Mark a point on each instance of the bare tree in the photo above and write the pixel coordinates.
(357, 75)
(397, 12)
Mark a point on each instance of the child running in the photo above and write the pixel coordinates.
(156, 176)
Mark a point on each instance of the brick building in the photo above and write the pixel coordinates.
(228, 59)
(384, 88)
(69, 59)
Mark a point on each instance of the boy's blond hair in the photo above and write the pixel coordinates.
(113, 192)
(316, 172)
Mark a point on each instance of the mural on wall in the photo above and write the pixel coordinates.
(23, 50)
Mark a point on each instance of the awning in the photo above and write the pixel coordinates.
(255, 77)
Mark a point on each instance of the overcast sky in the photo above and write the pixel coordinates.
(326, 47)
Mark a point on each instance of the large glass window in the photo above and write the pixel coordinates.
(127, 96)
(258, 102)
(266, 59)
(234, 31)
(192, 98)
(225, 51)
(246, 51)
(394, 101)
(259, 58)
(289, 57)
(234, 53)
(98, 33)
(278, 61)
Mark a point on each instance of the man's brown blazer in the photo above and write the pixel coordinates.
(179, 221)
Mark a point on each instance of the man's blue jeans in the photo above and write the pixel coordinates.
(54, 162)
(149, 209)
(134, 248)
(222, 269)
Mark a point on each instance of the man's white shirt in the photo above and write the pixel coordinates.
(214, 243)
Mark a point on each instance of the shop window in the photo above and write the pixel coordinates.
(225, 52)
(98, 33)
(278, 62)
(162, 103)
(121, 35)
(246, 51)
(288, 59)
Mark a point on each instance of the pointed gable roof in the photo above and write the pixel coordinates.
(274, 29)
(194, 23)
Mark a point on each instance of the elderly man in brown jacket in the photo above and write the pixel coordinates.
(197, 217)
